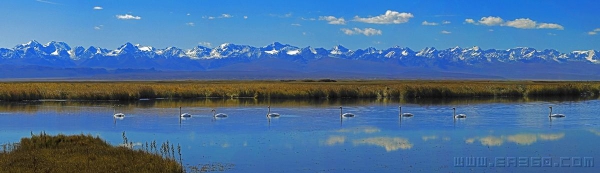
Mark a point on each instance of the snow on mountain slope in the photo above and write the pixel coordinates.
(128, 55)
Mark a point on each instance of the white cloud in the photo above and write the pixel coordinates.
(349, 31)
(296, 24)
(222, 16)
(98, 8)
(429, 23)
(390, 17)
(188, 14)
(446, 32)
(99, 27)
(333, 20)
(128, 17)
(226, 16)
(288, 15)
(47, 2)
(445, 22)
(550, 26)
(366, 31)
(594, 32)
(310, 19)
(522, 23)
(245, 17)
(491, 30)
(190, 24)
(491, 21)
(205, 44)
(470, 21)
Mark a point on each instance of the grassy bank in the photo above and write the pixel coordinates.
(17, 91)
(81, 153)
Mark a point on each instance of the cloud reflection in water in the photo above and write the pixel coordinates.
(426, 138)
(390, 144)
(367, 130)
(552, 137)
(334, 140)
(597, 132)
(491, 141)
(520, 139)
(523, 139)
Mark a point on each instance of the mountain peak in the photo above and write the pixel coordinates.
(144, 48)
(339, 49)
(32, 43)
(127, 44)
(125, 48)
(224, 45)
(58, 45)
(277, 44)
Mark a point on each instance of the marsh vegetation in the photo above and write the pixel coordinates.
(85, 153)
(135, 90)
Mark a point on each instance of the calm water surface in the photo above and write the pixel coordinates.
(310, 136)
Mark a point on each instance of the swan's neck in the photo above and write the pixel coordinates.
(269, 111)
(454, 114)
(340, 112)
(400, 110)
(179, 110)
(550, 112)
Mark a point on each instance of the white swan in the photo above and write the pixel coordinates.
(118, 115)
(459, 115)
(404, 114)
(555, 115)
(271, 115)
(184, 115)
(345, 114)
(218, 115)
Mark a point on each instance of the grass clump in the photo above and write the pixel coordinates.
(80, 153)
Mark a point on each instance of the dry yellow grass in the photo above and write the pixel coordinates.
(17, 91)
(83, 153)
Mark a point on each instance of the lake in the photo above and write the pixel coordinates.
(498, 135)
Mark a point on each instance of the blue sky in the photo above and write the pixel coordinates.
(502, 24)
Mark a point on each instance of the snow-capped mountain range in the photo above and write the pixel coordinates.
(287, 57)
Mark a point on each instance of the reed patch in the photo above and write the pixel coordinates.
(135, 90)
(85, 153)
